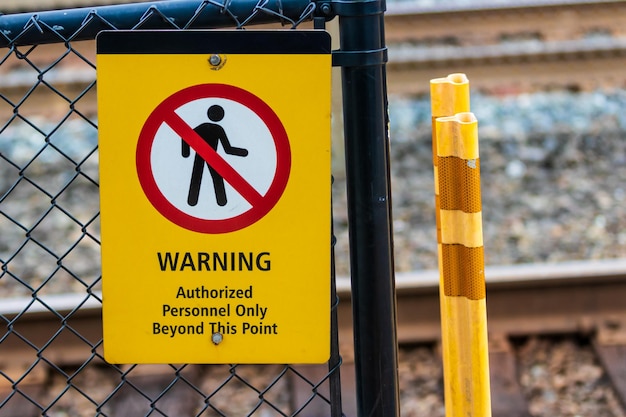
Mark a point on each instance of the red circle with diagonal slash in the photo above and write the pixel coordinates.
(261, 204)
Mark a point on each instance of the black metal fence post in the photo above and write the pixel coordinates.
(362, 57)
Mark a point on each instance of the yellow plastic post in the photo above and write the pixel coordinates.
(460, 242)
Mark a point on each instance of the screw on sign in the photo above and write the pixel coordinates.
(246, 181)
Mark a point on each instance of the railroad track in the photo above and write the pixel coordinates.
(520, 46)
(574, 299)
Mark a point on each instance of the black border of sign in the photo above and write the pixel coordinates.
(214, 42)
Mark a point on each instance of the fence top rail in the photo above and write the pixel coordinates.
(20, 6)
(60, 26)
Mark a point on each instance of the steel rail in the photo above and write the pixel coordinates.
(528, 299)
(579, 71)
(522, 300)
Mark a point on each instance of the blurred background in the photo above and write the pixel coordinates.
(548, 87)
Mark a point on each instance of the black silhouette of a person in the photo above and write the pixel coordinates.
(213, 134)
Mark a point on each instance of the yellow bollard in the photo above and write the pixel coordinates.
(460, 243)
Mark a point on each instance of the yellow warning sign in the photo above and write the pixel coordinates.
(215, 196)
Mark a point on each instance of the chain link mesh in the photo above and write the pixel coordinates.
(51, 360)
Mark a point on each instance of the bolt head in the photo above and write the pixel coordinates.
(215, 60)
(217, 338)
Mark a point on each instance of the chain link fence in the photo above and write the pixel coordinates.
(51, 360)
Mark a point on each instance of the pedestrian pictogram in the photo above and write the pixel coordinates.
(213, 134)
(191, 170)
(215, 187)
